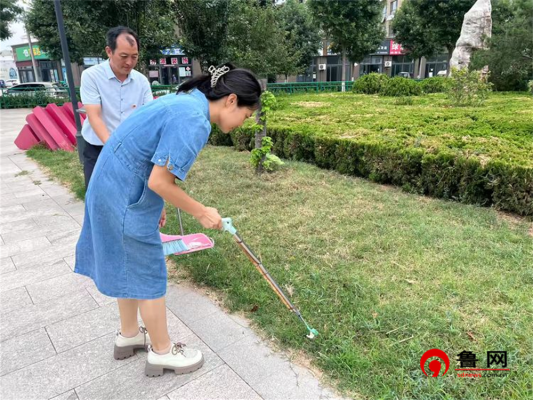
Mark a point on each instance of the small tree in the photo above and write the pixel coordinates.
(86, 24)
(9, 11)
(297, 20)
(261, 157)
(468, 88)
(353, 26)
(443, 20)
(257, 40)
(509, 56)
(203, 28)
(413, 34)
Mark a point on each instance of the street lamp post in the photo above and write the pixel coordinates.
(65, 49)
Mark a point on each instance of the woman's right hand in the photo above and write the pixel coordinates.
(210, 218)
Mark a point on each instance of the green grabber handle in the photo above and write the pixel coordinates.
(228, 227)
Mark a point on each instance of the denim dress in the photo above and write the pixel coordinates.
(119, 245)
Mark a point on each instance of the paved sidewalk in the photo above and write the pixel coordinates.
(57, 330)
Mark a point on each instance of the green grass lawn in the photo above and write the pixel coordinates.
(499, 130)
(383, 275)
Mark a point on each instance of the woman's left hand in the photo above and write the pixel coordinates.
(163, 218)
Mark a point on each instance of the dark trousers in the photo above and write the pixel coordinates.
(90, 155)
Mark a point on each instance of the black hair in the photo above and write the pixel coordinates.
(114, 33)
(239, 81)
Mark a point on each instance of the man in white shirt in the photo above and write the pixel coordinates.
(110, 92)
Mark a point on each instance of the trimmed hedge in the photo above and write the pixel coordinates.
(372, 83)
(436, 84)
(443, 175)
(401, 87)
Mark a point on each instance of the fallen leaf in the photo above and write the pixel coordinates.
(255, 308)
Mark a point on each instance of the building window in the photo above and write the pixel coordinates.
(384, 13)
(402, 64)
(371, 64)
(436, 64)
(393, 7)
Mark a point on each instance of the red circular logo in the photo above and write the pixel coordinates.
(435, 365)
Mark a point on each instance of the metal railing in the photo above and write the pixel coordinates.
(30, 99)
(308, 87)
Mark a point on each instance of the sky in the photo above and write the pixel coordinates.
(17, 29)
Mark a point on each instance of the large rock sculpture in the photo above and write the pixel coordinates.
(475, 30)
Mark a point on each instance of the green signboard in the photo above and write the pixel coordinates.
(23, 53)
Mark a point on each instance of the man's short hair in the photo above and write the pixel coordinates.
(114, 33)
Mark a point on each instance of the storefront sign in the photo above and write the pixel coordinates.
(383, 48)
(174, 61)
(153, 62)
(185, 60)
(174, 51)
(395, 49)
(153, 74)
(23, 53)
(184, 71)
(163, 61)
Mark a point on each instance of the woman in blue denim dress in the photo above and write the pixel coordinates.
(120, 246)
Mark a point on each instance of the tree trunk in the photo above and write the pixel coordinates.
(259, 135)
(343, 69)
(450, 49)
(420, 67)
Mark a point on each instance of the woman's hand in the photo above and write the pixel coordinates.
(163, 218)
(210, 218)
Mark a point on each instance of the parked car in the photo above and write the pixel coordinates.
(12, 82)
(31, 88)
(404, 74)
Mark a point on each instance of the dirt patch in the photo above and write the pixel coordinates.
(310, 104)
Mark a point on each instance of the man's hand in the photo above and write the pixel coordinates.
(163, 218)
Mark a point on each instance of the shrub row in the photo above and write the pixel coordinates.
(443, 175)
(375, 83)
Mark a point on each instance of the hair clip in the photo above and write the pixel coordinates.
(216, 73)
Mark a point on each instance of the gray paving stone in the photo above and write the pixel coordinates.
(11, 228)
(63, 372)
(70, 261)
(25, 350)
(252, 360)
(15, 217)
(56, 287)
(220, 383)
(188, 305)
(70, 395)
(297, 384)
(64, 237)
(51, 231)
(52, 189)
(37, 316)
(83, 328)
(33, 191)
(34, 244)
(218, 330)
(79, 218)
(100, 298)
(43, 204)
(12, 212)
(6, 265)
(48, 256)
(56, 219)
(14, 299)
(36, 273)
(130, 382)
(70, 204)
